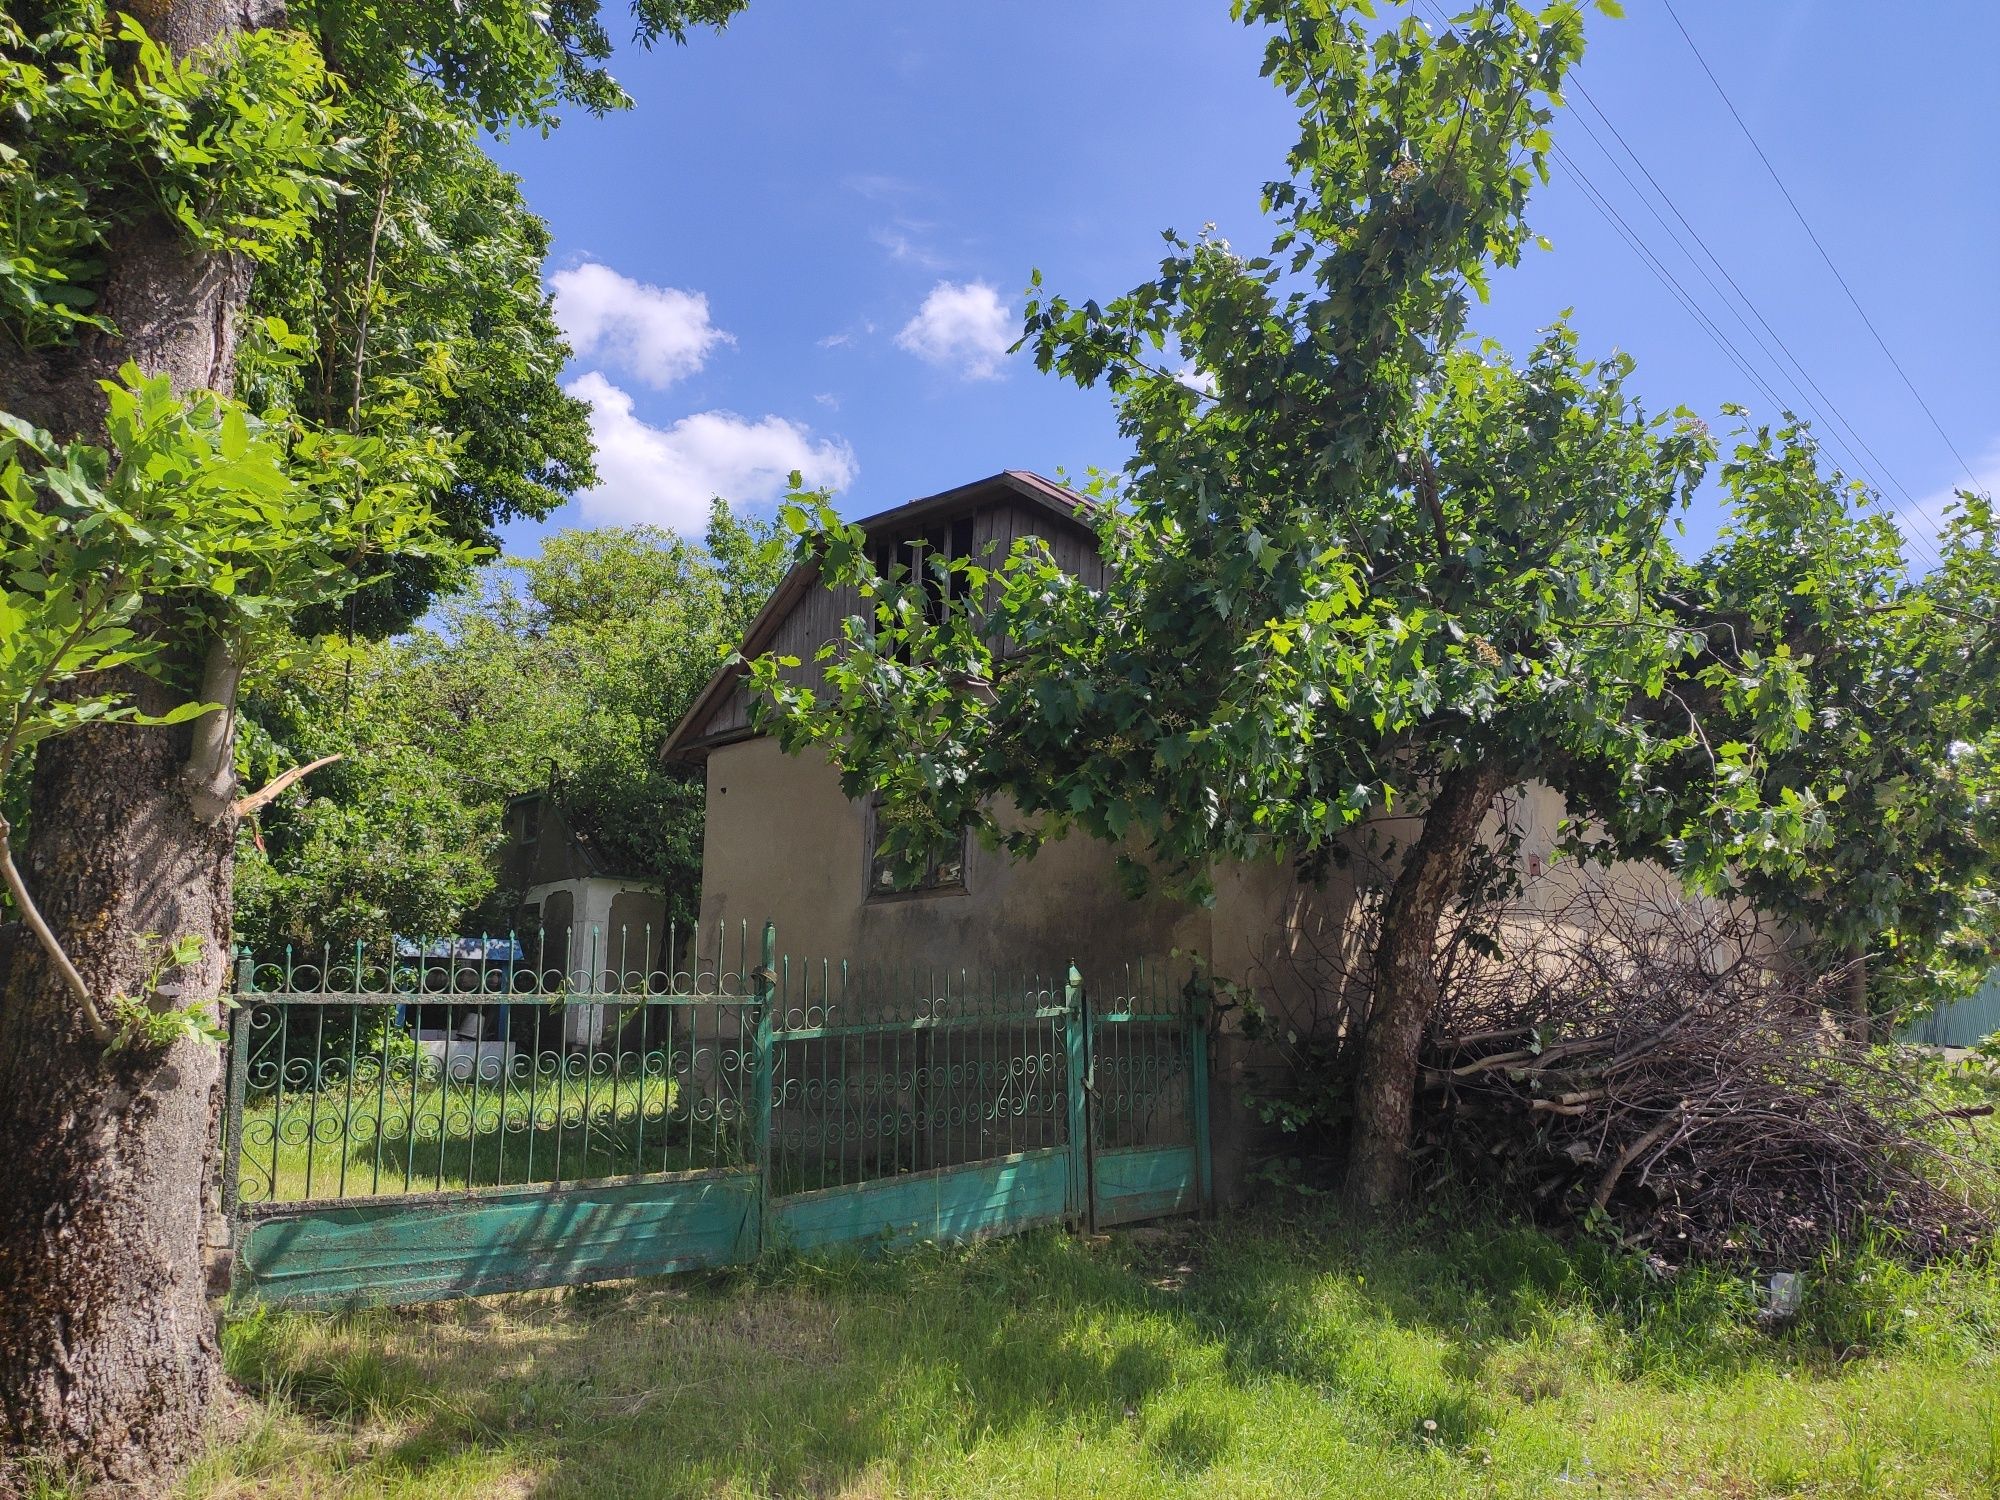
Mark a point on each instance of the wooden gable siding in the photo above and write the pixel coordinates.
(815, 619)
(810, 624)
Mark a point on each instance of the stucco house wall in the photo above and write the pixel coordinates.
(782, 843)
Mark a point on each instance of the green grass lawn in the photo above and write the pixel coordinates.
(432, 1135)
(1267, 1357)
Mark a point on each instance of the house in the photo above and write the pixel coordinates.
(783, 843)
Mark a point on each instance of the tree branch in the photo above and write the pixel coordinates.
(258, 800)
(1630, 1154)
(210, 775)
(31, 914)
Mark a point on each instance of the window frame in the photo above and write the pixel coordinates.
(930, 885)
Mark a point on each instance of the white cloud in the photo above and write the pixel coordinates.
(658, 334)
(667, 475)
(906, 240)
(1196, 379)
(963, 327)
(1922, 521)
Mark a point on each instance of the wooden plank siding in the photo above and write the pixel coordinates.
(814, 619)
(810, 624)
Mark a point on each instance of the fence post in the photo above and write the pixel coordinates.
(232, 1120)
(1198, 1003)
(1082, 1199)
(766, 991)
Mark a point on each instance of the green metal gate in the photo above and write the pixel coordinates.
(452, 1119)
(1145, 1096)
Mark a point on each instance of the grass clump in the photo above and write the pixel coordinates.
(1281, 1357)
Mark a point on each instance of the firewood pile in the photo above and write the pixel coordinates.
(1659, 1071)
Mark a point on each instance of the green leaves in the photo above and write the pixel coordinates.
(568, 667)
(1871, 697)
(210, 519)
(1369, 553)
(107, 126)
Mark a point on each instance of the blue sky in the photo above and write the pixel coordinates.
(806, 245)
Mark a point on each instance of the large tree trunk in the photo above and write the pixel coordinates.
(1406, 982)
(108, 1357)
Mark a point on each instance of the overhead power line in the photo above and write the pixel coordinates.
(1847, 451)
(1874, 466)
(1806, 224)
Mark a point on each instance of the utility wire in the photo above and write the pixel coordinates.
(1601, 201)
(1652, 262)
(1811, 235)
(1839, 422)
(1854, 445)
(1746, 364)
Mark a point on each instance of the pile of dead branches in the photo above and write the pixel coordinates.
(1657, 1068)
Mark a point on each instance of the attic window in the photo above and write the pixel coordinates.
(530, 816)
(914, 553)
(943, 869)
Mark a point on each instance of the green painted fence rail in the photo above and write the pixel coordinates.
(439, 1119)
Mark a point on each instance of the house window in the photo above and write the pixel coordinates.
(913, 554)
(530, 814)
(943, 868)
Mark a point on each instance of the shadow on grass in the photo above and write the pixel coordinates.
(805, 1376)
(825, 1376)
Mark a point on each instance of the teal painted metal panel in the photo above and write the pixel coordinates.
(1145, 1182)
(950, 1203)
(1965, 1023)
(418, 1249)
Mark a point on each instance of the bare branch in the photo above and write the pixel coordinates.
(258, 800)
(210, 775)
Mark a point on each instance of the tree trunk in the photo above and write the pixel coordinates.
(1406, 982)
(108, 1354)
(1856, 986)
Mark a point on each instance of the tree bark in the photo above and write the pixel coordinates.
(108, 1351)
(1856, 985)
(1406, 982)
(108, 1355)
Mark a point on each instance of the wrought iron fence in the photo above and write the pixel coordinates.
(877, 1072)
(470, 1072)
(441, 1068)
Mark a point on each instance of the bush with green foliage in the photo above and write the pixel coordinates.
(562, 672)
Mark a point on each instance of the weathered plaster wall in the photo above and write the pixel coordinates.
(782, 843)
